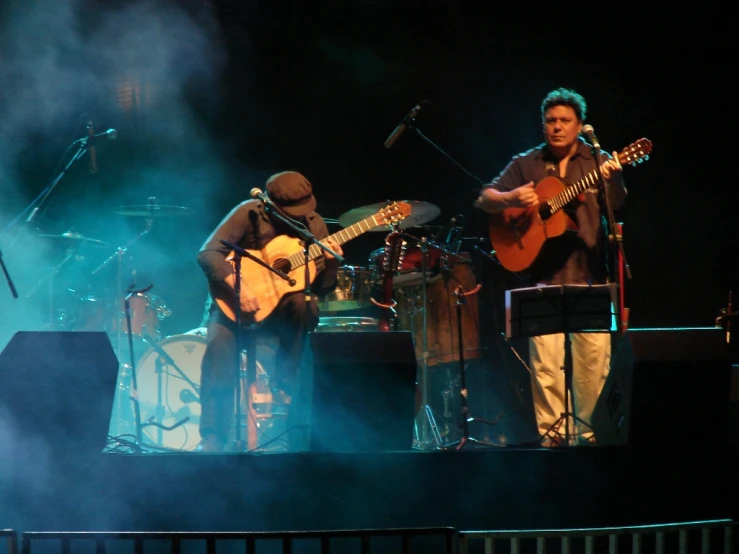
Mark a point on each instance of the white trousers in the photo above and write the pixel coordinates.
(591, 358)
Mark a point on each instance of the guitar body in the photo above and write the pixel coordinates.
(287, 255)
(518, 234)
(268, 287)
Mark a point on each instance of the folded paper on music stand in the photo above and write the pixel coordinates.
(549, 309)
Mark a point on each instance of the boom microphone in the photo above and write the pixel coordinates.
(257, 193)
(395, 135)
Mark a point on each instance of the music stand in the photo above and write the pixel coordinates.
(551, 309)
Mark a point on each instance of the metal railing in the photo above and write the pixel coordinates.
(442, 540)
(704, 537)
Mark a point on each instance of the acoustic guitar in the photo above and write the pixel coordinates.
(518, 234)
(286, 254)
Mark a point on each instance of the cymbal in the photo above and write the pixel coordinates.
(152, 210)
(69, 235)
(421, 212)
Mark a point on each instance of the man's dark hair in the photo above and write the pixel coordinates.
(565, 97)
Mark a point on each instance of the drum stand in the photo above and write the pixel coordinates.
(125, 370)
(119, 300)
(426, 429)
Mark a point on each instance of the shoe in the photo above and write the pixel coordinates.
(210, 443)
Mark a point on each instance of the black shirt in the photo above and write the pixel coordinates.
(579, 256)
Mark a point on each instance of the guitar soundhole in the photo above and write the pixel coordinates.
(283, 265)
(545, 211)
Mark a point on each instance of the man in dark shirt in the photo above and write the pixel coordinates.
(293, 315)
(577, 256)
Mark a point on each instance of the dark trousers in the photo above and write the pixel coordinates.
(290, 322)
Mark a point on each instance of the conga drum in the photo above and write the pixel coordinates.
(442, 328)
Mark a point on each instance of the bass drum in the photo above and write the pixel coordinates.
(168, 379)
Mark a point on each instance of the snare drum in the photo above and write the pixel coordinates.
(353, 290)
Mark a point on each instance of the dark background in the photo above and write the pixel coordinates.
(210, 98)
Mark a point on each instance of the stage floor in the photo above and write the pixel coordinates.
(480, 488)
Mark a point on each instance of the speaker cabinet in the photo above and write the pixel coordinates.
(355, 392)
(666, 385)
(56, 390)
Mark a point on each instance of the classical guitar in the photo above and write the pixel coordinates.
(287, 255)
(518, 234)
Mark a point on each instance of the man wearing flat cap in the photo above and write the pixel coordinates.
(250, 226)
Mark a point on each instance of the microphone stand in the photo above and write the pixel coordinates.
(304, 233)
(13, 291)
(134, 395)
(239, 444)
(614, 235)
(410, 125)
(39, 201)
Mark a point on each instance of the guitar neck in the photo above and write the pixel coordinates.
(297, 259)
(635, 153)
(559, 201)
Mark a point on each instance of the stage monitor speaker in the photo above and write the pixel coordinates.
(57, 389)
(355, 393)
(666, 386)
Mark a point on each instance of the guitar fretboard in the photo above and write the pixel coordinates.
(297, 259)
(637, 152)
(559, 201)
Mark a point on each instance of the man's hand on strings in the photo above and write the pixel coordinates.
(333, 245)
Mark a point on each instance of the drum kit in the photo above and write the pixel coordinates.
(84, 299)
(417, 284)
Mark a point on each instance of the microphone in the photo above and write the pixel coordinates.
(112, 134)
(91, 147)
(257, 193)
(395, 135)
(589, 132)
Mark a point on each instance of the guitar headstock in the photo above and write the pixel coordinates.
(636, 152)
(394, 252)
(392, 213)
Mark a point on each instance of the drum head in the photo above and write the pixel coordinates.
(342, 324)
(168, 379)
